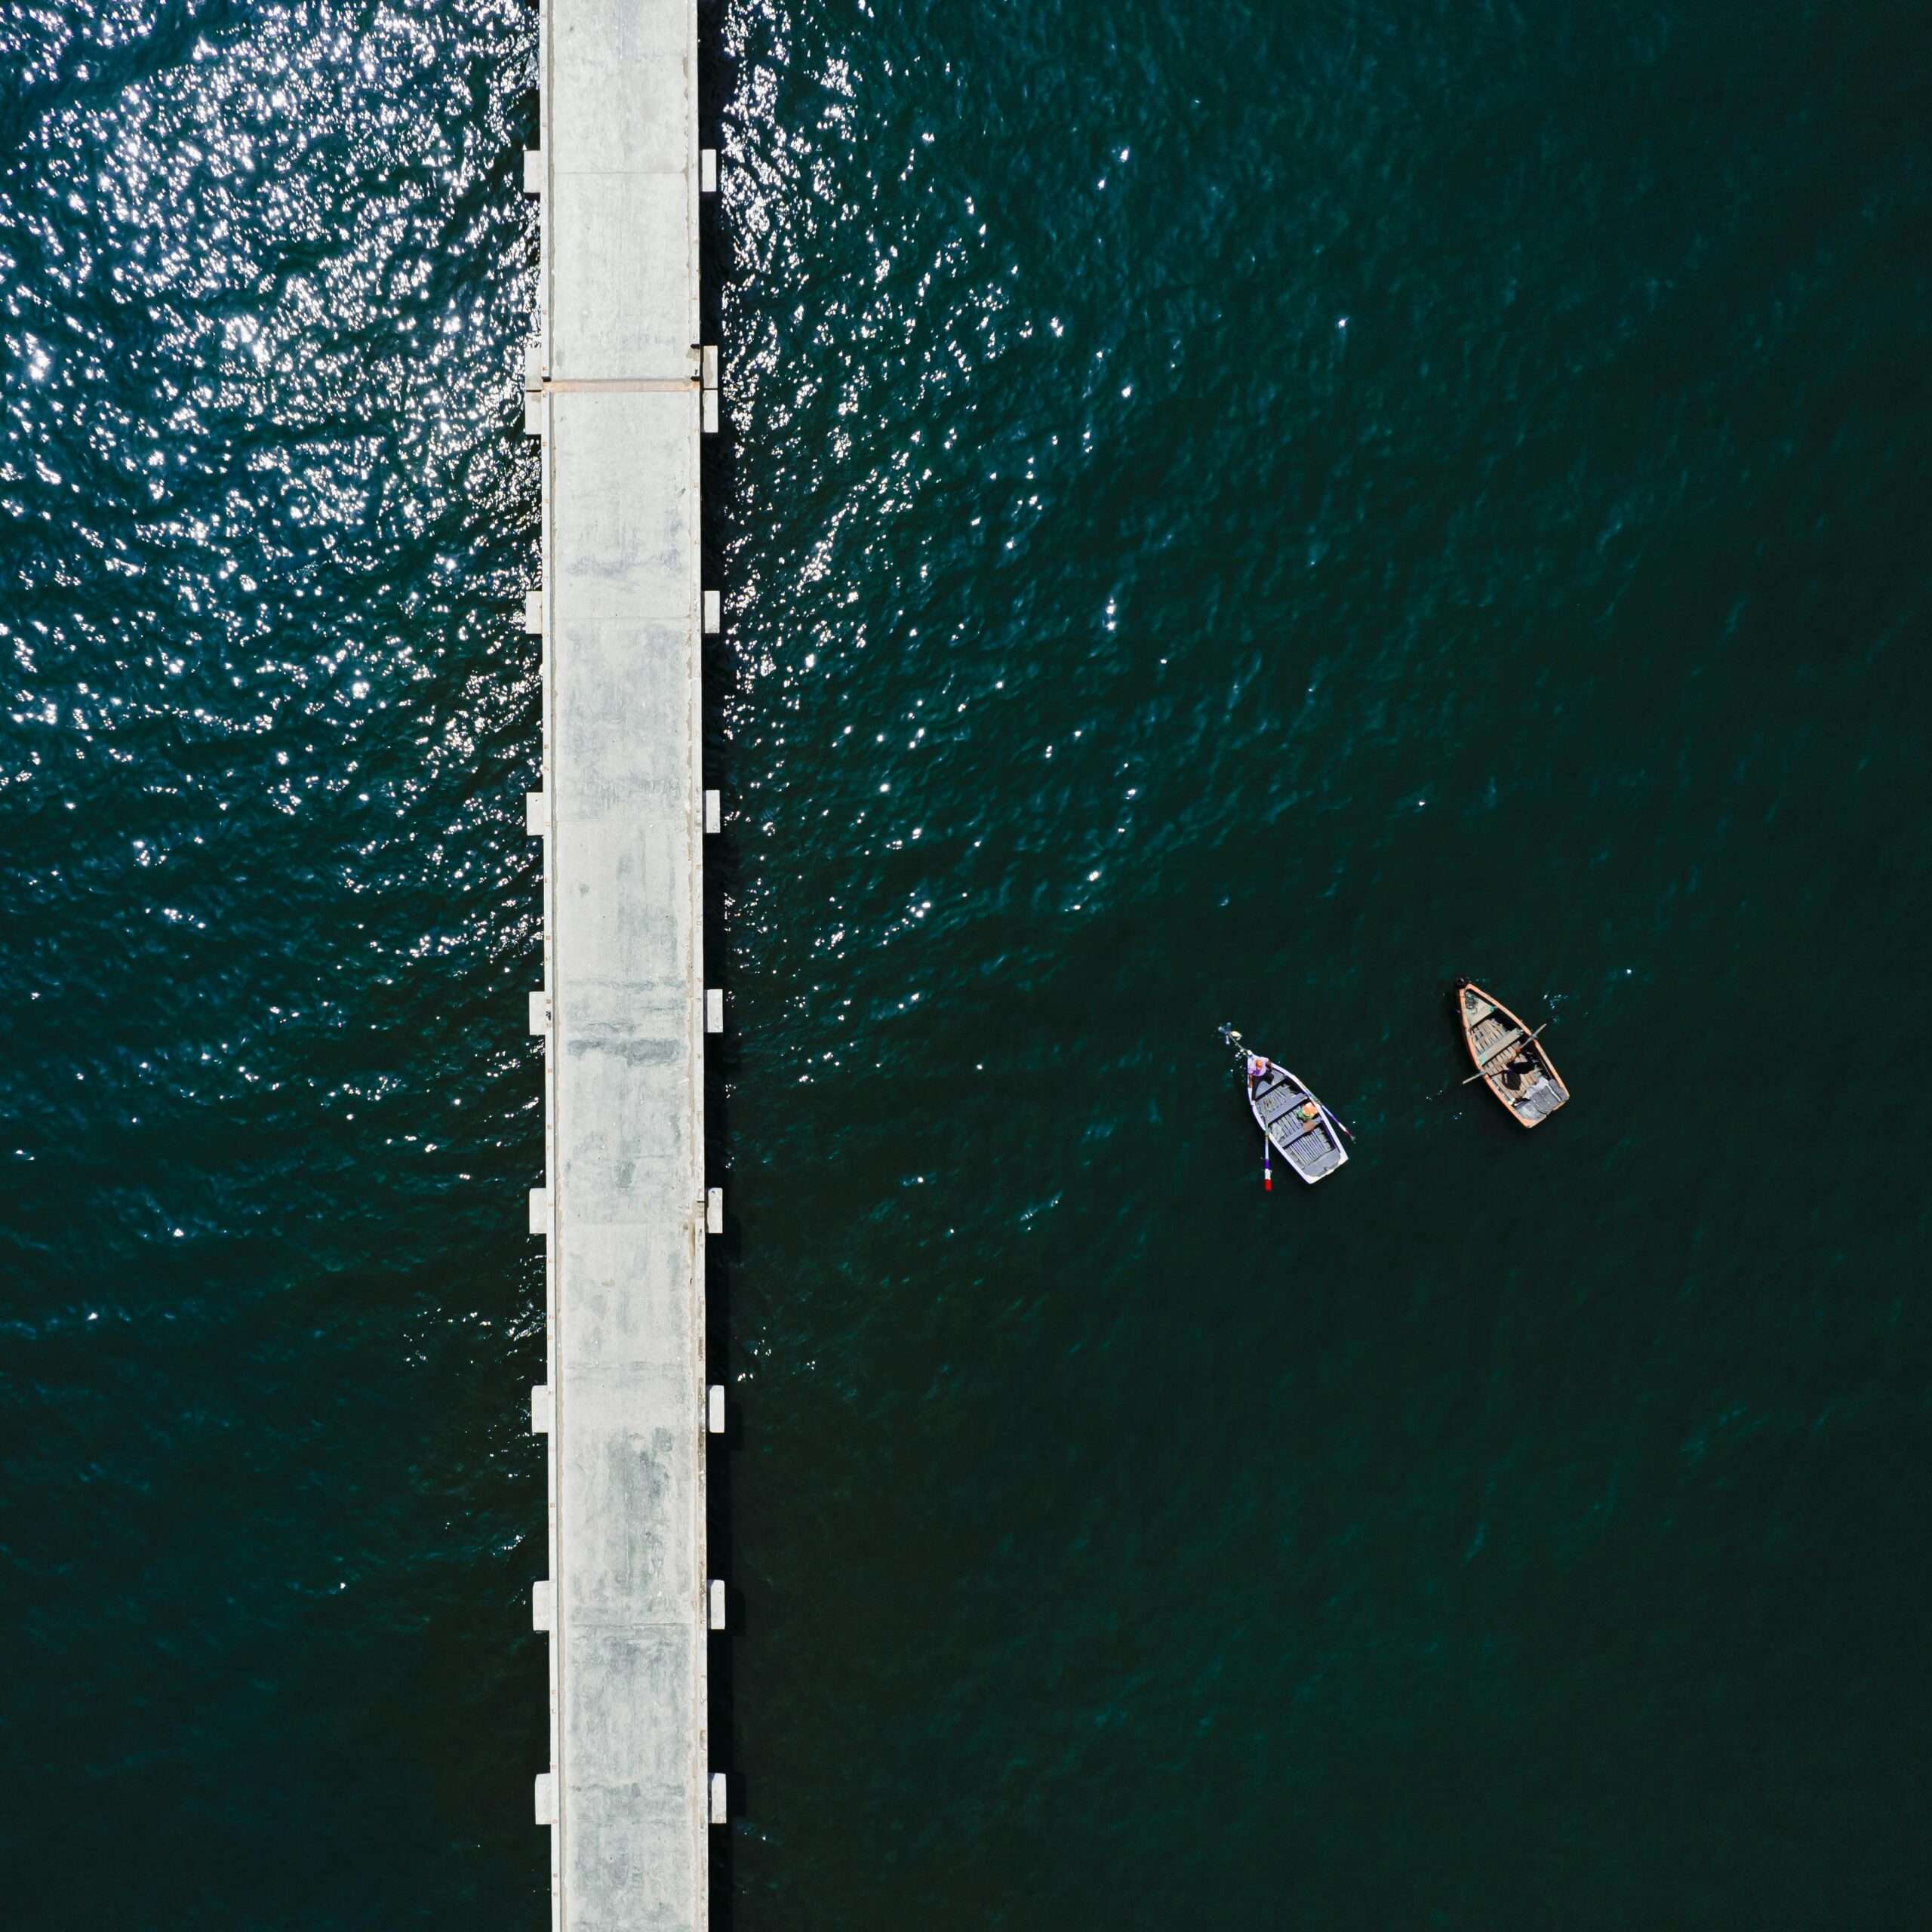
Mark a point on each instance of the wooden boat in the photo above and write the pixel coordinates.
(1509, 1057)
(1296, 1124)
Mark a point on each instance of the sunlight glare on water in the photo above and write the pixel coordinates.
(1224, 514)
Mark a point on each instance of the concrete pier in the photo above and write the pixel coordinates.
(616, 391)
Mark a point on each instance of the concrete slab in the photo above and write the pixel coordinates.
(621, 130)
(621, 414)
(631, 1610)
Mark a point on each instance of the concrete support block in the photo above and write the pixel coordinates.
(540, 1012)
(533, 612)
(533, 170)
(707, 171)
(714, 812)
(540, 1211)
(533, 415)
(540, 1409)
(718, 1603)
(707, 375)
(532, 365)
(713, 612)
(535, 814)
(713, 1409)
(714, 1009)
(720, 1804)
(539, 1605)
(546, 1798)
(714, 1210)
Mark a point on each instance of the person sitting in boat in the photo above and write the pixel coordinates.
(1258, 1066)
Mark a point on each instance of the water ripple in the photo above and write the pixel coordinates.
(265, 520)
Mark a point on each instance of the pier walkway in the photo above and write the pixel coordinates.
(614, 389)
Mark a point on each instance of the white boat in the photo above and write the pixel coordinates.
(1296, 1125)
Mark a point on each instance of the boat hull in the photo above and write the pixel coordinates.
(1312, 1149)
(1513, 1063)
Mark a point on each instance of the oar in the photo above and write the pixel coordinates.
(1267, 1169)
(1480, 1074)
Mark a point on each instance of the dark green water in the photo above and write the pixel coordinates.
(1248, 514)
(1228, 513)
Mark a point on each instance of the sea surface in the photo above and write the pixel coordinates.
(1227, 513)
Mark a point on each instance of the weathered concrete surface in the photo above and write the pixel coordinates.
(620, 126)
(623, 801)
